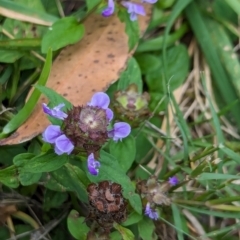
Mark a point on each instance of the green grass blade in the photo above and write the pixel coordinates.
(21, 12)
(25, 112)
(199, 26)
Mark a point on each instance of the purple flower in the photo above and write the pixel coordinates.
(54, 135)
(109, 10)
(55, 112)
(120, 130)
(173, 181)
(149, 1)
(134, 9)
(93, 165)
(102, 100)
(150, 212)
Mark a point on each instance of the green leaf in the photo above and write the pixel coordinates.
(177, 67)
(110, 170)
(91, 4)
(27, 178)
(53, 97)
(210, 176)
(25, 112)
(126, 233)
(178, 221)
(53, 199)
(132, 218)
(234, 156)
(201, 30)
(131, 28)
(10, 56)
(148, 62)
(62, 33)
(45, 162)
(66, 178)
(131, 75)
(25, 12)
(8, 177)
(7, 153)
(77, 226)
(124, 152)
(146, 228)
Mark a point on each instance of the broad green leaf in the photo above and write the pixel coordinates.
(110, 170)
(10, 56)
(66, 179)
(148, 62)
(8, 177)
(27, 178)
(53, 199)
(132, 218)
(146, 228)
(62, 33)
(7, 153)
(46, 162)
(177, 67)
(124, 152)
(131, 28)
(131, 75)
(77, 226)
(25, 112)
(126, 233)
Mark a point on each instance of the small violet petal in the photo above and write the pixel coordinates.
(55, 112)
(134, 9)
(150, 212)
(51, 133)
(93, 165)
(100, 100)
(149, 1)
(109, 10)
(173, 181)
(109, 114)
(63, 145)
(120, 130)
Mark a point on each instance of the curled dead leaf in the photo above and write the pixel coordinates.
(84, 68)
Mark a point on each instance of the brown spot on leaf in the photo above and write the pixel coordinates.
(110, 55)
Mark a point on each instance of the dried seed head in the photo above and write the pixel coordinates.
(107, 204)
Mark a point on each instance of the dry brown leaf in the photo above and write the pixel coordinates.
(82, 69)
